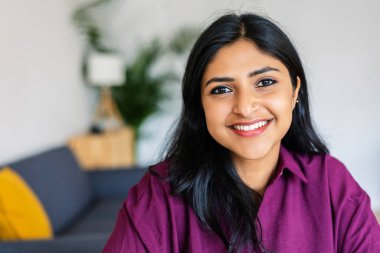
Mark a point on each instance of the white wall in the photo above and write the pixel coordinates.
(338, 42)
(42, 99)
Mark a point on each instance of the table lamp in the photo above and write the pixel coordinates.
(106, 70)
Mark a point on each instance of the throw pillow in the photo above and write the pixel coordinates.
(22, 216)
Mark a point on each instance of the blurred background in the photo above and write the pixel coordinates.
(46, 102)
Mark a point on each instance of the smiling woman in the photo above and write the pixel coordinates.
(245, 170)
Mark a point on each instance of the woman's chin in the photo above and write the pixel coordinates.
(253, 153)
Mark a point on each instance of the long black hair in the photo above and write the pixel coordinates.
(201, 170)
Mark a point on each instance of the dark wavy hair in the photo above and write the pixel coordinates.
(201, 171)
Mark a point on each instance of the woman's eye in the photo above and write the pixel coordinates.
(266, 82)
(220, 90)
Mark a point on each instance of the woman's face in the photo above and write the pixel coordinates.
(248, 98)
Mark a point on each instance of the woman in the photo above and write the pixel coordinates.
(245, 170)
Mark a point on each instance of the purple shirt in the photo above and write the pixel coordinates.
(313, 205)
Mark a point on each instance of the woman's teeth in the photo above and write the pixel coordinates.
(250, 127)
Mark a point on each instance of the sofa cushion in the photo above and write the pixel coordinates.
(101, 218)
(63, 189)
(22, 216)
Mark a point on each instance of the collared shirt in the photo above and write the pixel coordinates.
(312, 205)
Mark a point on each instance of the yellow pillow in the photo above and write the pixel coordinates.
(22, 216)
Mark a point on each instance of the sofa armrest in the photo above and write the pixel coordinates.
(115, 183)
(92, 243)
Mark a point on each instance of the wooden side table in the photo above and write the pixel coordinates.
(111, 150)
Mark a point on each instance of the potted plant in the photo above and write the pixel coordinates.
(142, 92)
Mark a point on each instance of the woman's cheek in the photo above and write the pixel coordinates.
(216, 114)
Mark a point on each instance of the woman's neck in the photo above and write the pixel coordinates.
(257, 174)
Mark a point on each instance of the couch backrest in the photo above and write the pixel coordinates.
(61, 186)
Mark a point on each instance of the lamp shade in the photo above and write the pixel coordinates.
(105, 69)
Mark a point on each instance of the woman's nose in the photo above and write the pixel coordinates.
(246, 104)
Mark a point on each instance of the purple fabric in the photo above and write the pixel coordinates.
(313, 205)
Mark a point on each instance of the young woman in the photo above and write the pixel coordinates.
(245, 170)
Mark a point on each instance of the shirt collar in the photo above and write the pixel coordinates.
(287, 161)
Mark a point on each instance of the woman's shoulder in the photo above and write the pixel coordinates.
(327, 170)
(355, 226)
(153, 185)
(154, 211)
(152, 195)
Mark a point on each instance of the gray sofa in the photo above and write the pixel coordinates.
(82, 206)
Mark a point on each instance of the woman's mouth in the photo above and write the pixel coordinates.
(250, 129)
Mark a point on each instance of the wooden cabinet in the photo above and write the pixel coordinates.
(111, 150)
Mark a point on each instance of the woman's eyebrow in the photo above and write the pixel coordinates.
(220, 80)
(261, 71)
(250, 74)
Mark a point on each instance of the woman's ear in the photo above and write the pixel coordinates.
(295, 93)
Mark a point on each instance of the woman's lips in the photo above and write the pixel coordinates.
(250, 129)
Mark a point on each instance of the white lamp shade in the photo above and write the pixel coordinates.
(105, 69)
